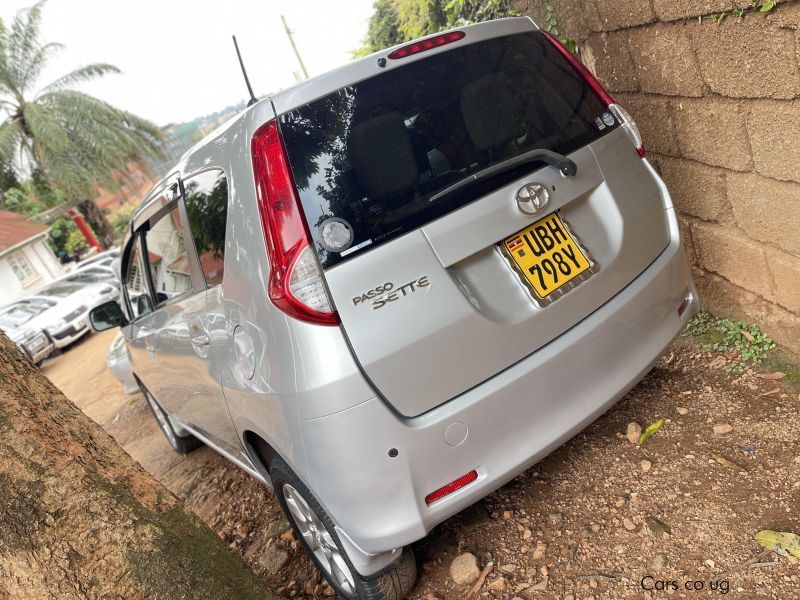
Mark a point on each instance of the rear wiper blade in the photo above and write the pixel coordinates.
(567, 167)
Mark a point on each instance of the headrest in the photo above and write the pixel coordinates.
(382, 156)
(490, 112)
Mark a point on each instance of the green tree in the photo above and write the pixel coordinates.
(61, 230)
(75, 242)
(73, 140)
(383, 30)
(396, 21)
(121, 220)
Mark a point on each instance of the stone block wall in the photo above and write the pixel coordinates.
(718, 106)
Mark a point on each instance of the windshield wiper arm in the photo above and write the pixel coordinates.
(567, 167)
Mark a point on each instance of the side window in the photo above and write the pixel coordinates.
(206, 198)
(135, 283)
(167, 258)
(21, 267)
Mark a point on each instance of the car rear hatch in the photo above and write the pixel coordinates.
(418, 205)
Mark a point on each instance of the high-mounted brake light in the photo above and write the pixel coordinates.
(295, 279)
(451, 487)
(626, 121)
(427, 44)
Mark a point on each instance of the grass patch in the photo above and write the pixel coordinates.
(780, 360)
(747, 344)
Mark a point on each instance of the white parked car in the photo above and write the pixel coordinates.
(94, 274)
(63, 309)
(104, 259)
(15, 322)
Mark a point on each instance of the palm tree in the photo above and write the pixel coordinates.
(73, 140)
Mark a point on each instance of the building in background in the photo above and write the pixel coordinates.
(132, 185)
(178, 138)
(26, 261)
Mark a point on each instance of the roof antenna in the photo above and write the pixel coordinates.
(253, 98)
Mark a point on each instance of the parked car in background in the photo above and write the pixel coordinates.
(63, 308)
(94, 274)
(15, 321)
(388, 291)
(103, 259)
(118, 362)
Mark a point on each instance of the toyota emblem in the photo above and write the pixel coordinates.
(531, 198)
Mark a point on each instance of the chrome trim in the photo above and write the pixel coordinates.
(180, 425)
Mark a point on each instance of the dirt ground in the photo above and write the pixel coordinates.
(599, 518)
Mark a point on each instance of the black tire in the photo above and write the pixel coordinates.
(182, 444)
(393, 583)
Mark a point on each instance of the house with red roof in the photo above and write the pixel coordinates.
(26, 261)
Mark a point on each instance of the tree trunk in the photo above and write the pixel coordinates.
(98, 222)
(80, 519)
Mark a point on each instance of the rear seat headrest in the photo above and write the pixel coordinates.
(383, 159)
(490, 112)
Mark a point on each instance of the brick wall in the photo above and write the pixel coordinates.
(719, 110)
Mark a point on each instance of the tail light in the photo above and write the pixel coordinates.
(427, 44)
(295, 279)
(626, 121)
(451, 487)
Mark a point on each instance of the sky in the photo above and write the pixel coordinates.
(176, 56)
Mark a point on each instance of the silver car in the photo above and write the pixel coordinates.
(392, 288)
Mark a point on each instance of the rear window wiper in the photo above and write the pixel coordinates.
(567, 167)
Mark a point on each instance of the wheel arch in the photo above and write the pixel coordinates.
(260, 452)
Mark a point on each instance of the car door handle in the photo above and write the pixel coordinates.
(201, 339)
(198, 335)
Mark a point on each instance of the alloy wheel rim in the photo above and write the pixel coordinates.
(319, 540)
(161, 417)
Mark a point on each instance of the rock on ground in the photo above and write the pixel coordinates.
(633, 432)
(464, 569)
(273, 560)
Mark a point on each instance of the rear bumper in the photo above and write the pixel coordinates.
(513, 420)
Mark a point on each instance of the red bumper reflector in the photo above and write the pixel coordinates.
(451, 487)
(427, 44)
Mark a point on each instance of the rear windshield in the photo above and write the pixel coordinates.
(368, 158)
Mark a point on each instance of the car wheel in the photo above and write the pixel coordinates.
(316, 532)
(182, 444)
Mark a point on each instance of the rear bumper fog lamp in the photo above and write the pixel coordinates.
(451, 487)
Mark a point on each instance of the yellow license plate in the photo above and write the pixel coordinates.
(547, 257)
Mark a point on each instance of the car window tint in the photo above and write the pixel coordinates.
(206, 199)
(167, 258)
(370, 159)
(135, 284)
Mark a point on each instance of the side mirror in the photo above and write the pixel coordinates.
(143, 305)
(107, 316)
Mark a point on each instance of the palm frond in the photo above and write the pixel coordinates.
(37, 63)
(74, 140)
(80, 75)
(92, 138)
(46, 127)
(22, 44)
(10, 137)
